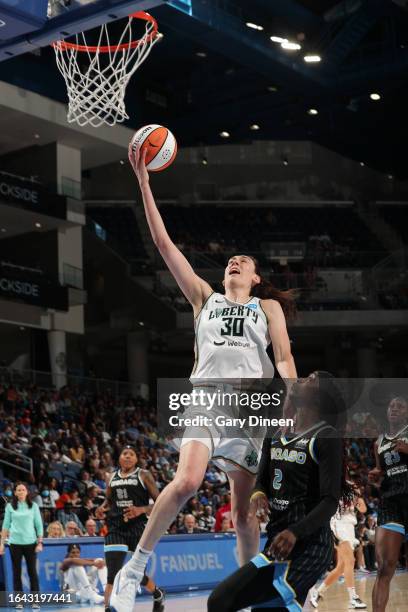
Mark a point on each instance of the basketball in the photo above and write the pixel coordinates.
(160, 144)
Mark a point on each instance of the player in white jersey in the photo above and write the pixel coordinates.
(232, 333)
(343, 527)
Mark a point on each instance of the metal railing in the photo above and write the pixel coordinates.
(15, 460)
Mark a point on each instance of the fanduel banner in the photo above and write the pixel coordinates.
(33, 290)
(179, 563)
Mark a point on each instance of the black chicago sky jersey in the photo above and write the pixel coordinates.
(301, 475)
(393, 464)
(126, 491)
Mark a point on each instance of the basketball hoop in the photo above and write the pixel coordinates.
(97, 75)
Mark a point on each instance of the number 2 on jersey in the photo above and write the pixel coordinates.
(277, 481)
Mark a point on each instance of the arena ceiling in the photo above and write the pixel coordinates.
(212, 73)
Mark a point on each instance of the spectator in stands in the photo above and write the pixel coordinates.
(23, 528)
(90, 528)
(207, 520)
(52, 487)
(226, 525)
(82, 582)
(77, 451)
(85, 478)
(225, 510)
(55, 530)
(72, 530)
(190, 525)
(66, 515)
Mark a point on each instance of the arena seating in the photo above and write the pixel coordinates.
(122, 230)
(335, 236)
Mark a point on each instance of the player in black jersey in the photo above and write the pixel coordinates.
(300, 482)
(391, 453)
(127, 507)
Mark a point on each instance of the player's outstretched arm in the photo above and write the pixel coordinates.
(195, 289)
(278, 333)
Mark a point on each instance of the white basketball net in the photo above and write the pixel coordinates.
(97, 76)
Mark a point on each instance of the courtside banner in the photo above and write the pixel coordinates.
(179, 563)
(194, 562)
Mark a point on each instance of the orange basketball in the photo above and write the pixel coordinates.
(160, 144)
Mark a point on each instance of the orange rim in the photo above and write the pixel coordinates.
(65, 46)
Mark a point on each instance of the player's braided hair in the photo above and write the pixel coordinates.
(333, 410)
(265, 290)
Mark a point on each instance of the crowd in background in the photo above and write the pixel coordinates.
(74, 439)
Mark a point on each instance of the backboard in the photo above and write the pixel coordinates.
(28, 24)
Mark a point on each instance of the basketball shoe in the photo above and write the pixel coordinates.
(124, 590)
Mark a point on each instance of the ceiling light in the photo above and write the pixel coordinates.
(36, 136)
(312, 111)
(362, 164)
(254, 26)
(254, 127)
(375, 96)
(160, 36)
(201, 54)
(312, 59)
(122, 163)
(272, 88)
(224, 134)
(285, 161)
(204, 161)
(290, 46)
(3, 230)
(278, 39)
(22, 328)
(38, 225)
(141, 323)
(390, 176)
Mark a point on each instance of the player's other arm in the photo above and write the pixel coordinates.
(76, 562)
(149, 483)
(105, 506)
(195, 289)
(329, 453)
(374, 475)
(259, 499)
(278, 333)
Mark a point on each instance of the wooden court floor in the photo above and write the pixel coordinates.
(335, 600)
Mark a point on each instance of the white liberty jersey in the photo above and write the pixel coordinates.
(231, 340)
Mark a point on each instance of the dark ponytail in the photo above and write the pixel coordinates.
(265, 290)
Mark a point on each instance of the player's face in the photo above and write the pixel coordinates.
(398, 411)
(128, 459)
(75, 553)
(240, 272)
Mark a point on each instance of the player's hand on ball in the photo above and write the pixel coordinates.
(282, 545)
(401, 447)
(374, 475)
(132, 512)
(259, 506)
(137, 160)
